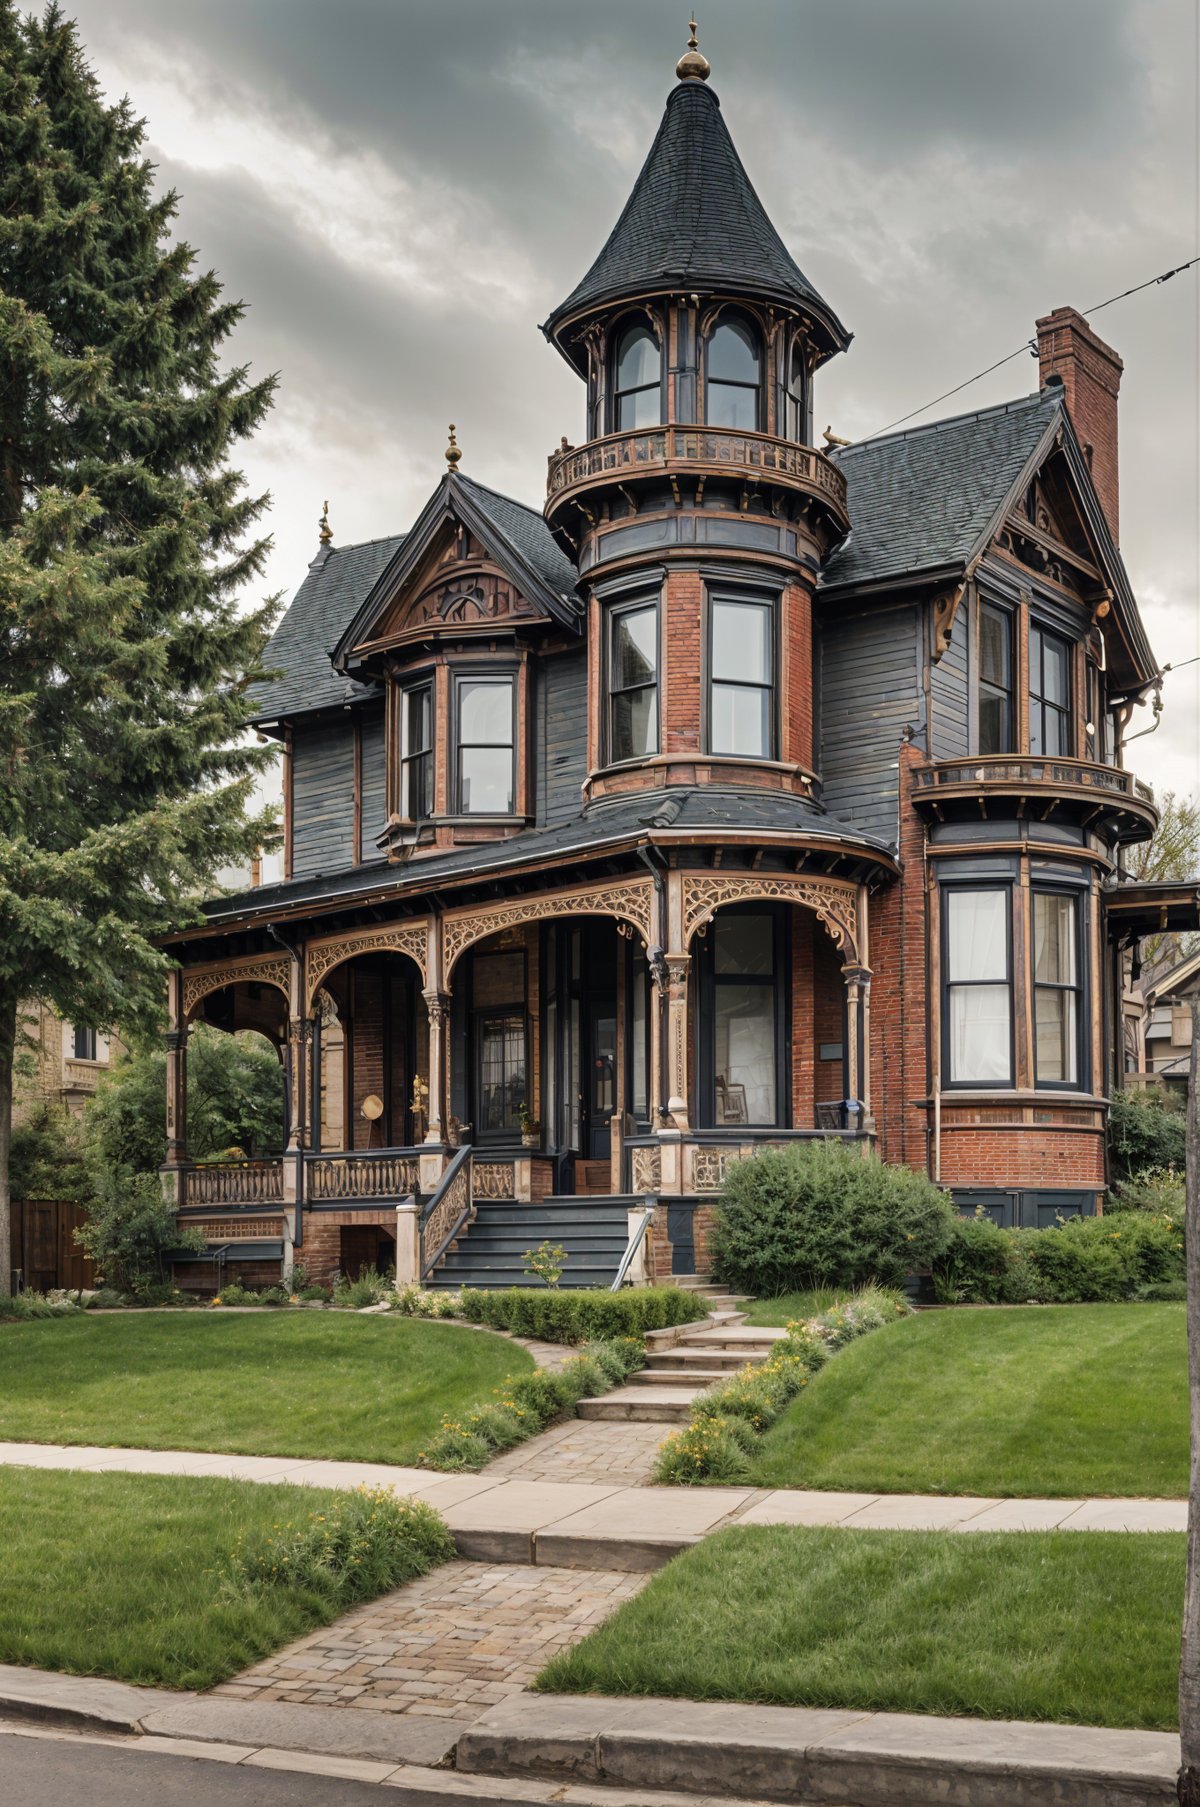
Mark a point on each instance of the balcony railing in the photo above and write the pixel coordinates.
(704, 451)
(380, 1173)
(234, 1183)
(1016, 771)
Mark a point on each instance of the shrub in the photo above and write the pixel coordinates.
(1082, 1260)
(1163, 1292)
(1158, 1190)
(455, 1446)
(415, 1302)
(817, 1213)
(557, 1316)
(710, 1449)
(106, 1299)
(546, 1262)
(1145, 1129)
(312, 1294)
(370, 1288)
(34, 1305)
(363, 1544)
(234, 1293)
(131, 1232)
(48, 1159)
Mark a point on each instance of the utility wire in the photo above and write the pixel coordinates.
(1031, 346)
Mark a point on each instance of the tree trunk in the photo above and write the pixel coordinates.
(8, 1045)
(1188, 1786)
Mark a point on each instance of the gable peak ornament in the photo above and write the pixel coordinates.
(326, 531)
(692, 67)
(453, 450)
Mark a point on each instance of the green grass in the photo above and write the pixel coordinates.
(1071, 1626)
(1061, 1400)
(320, 1384)
(788, 1307)
(120, 1575)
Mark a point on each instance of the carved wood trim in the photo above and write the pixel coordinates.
(835, 902)
(630, 901)
(266, 969)
(321, 957)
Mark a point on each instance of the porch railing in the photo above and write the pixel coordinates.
(697, 448)
(362, 1176)
(632, 1246)
(446, 1210)
(234, 1183)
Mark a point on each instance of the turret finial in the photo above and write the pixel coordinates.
(326, 529)
(453, 453)
(692, 67)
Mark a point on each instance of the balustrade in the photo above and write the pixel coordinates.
(703, 449)
(234, 1183)
(383, 1173)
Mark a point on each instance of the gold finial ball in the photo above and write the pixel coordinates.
(453, 452)
(326, 529)
(692, 67)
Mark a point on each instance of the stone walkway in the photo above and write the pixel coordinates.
(583, 1450)
(463, 1638)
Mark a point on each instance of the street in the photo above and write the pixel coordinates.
(46, 1770)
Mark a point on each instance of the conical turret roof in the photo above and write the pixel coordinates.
(694, 221)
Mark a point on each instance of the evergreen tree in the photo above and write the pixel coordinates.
(126, 538)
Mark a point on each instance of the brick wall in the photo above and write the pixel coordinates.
(1021, 1154)
(899, 998)
(321, 1253)
(1090, 372)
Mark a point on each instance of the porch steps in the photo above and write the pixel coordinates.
(491, 1250)
(681, 1364)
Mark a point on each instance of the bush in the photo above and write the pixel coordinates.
(711, 1449)
(558, 1316)
(48, 1159)
(314, 1294)
(1163, 1292)
(364, 1544)
(370, 1288)
(1145, 1129)
(416, 1302)
(234, 1293)
(1158, 1190)
(1082, 1260)
(131, 1232)
(34, 1305)
(817, 1213)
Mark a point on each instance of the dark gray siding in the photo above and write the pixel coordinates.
(323, 797)
(869, 691)
(949, 725)
(374, 781)
(562, 736)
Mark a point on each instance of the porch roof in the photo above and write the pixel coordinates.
(735, 817)
(1165, 906)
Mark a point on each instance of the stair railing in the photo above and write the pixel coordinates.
(447, 1209)
(637, 1237)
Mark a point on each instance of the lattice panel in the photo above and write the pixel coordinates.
(836, 904)
(271, 969)
(632, 903)
(409, 938)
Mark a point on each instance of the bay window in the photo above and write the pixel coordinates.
(977, 1018)
(1056, 989)
(416, 753)
(1049, 694)
(741, 664)
(633, 681)
(484, 764)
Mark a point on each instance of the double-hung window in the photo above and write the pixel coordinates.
(637, 381)
(995, 680)
(977, 1024)
(1056, 989)
(416, 753)
(633, 681)
(1049, 694)
(484, 766)
(741, 663)
(733, 377)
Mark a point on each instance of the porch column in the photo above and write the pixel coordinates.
(858, 1072)
(658, 986)
(864, 954)
(678, 966)
(437, 1003)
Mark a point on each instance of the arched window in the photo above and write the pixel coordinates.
(796, 398)
(637, 380)
(733, 376)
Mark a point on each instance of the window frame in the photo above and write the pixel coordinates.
(750, 327)
(1077, 898)
(1039, 703)
(778, 983)
(795, 403)
(406, 759)
(613, 613)
(948, 889)
(469, 674)
(91, 1039)
(986, 686)
(634, 323)
(749, 598)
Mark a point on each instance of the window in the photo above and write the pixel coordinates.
(741, 710)
(745, 1062)
(637, 381)
(83, 1044)
(633, 681)
(1056, 990)
(977, 1025)
(1097, 725)
(732, 377)
(501, 1078)
(1049, 694)
(416, 753)
(795, 400)
(995, 681)
(484, 755)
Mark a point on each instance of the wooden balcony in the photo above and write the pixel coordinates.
(752, 461)
(1038, 789)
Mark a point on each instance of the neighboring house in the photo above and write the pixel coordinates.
(1159, 1024)
(63, 1065)
(747, 792)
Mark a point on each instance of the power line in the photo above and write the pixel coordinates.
(1030, 345)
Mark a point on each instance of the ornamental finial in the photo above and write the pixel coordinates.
(692, 67)
(326, 529)
(453, 453)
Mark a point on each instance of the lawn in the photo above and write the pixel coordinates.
(320, 1384)
(1064, 1400)
(1071, 1626)
(121, 1575)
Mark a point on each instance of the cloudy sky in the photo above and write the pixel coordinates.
(402, 189)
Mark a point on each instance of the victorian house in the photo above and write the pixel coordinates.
(747, 791)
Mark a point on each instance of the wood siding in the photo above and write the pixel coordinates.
(949, 701)
(322, 797)
(562, 713)
(374, 781)
(869, 670)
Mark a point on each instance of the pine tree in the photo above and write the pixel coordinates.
(126, 541)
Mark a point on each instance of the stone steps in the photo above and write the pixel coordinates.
(647, 1404)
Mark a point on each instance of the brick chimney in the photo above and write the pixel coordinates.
(1090, 373)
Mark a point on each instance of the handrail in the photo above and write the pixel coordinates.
(1023, 768)
(449, 1206)
(633, 1245)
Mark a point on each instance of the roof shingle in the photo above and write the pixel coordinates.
(299, 648)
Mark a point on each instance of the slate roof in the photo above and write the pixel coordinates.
(694, 220)
(626, 819)
(924, 499)
(526, 530)
(299, 648)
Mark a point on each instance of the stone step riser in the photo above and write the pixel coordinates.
(631, 1411)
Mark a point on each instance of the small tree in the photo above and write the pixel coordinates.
(130, 1232)
(234, 1100)
(1146, 1128)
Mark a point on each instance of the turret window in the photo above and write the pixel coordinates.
(733, 377)
(796, 397)
(741, 708)
(484, 776)
(633, 681)
(637, 381)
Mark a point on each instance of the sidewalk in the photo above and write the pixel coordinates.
(605, 1525)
